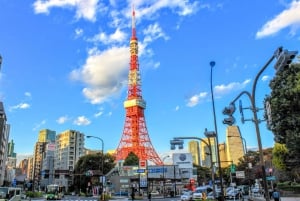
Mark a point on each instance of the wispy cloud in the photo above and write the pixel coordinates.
(82, 121)
(287, 18)
(62, 119)
(19, 106)
(85, 9)
(195, 99)
(265, 78)
(37, 126)
(233, 86)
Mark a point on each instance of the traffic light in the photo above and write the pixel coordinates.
(230, 120)
(284, 59)
(175, 142)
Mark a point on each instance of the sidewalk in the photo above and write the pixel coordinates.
(282, 199)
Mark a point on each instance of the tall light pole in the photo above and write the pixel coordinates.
(212, 64)
(102, 162)
(164, 179)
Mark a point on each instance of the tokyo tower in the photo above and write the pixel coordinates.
(135, 136)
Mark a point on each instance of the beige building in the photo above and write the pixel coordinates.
(45, 136)
(234, 142)
(69, 147)
(194, 149)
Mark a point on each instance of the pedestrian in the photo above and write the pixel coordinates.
(149, 195)
(276, 195)
(132, 193)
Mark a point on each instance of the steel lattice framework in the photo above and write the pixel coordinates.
(135, 136)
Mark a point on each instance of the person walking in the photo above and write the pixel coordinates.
(276, 195)
(149, 195)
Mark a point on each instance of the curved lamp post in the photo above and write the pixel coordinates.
(212, 64)
(102, 162)
(164, 179)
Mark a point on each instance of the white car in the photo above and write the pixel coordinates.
(186, 196)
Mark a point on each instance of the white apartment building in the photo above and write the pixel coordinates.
(69, 147)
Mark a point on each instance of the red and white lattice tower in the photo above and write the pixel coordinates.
(135, 136)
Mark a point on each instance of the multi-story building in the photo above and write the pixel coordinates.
(11, 149)
(234, 144)
(69, 147)
(47, 172)
(194, 149)
(206, 156)
(4, 135)
(45, 136)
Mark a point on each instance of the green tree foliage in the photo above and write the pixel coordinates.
(279, 153)
(92, 163)
(285, 112)
(203, 174)
(131, 159)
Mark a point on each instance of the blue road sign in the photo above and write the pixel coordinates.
(140, 170)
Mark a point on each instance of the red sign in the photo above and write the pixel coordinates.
(143, 163)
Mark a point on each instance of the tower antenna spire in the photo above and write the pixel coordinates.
(133, 23)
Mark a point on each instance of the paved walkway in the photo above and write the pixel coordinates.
(282, 199)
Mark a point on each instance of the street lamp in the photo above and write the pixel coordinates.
(164, 180)
(212, 64)
(102, 162)
(178, 141)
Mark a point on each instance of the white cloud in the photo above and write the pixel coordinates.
(153, 32)
(265, 78)
(78, 32)
(19, 106)
(28, 94)
(84, 8)
(98, 114)
(82, 121)
(117, 37)
(39, 125)
(288, 17)
(62, 119)
(195, 99)
(233, 86)
(177, 108)
(104, 74)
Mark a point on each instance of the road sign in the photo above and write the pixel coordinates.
(240, 174)
(140, 170)
(232, 168)
(271, 178)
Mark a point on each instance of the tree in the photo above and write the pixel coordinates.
(88, 169)
(131, 159)
(284, 102)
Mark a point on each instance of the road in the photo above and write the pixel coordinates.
(76, 198)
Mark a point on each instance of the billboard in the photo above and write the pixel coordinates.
(183, 160)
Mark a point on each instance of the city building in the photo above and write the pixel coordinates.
(234, 144)
(47, 170)
(69, 147)
(45, 136)
(4, 136)
(194, 149)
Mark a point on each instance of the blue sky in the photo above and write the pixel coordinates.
(65, 64)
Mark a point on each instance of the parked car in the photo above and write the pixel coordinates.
(210, 195)
(234, 193)
(186, 196)
(154, 193)
(121, 193)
